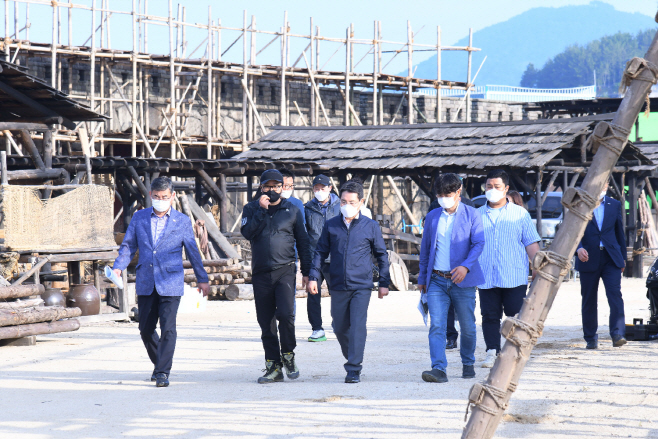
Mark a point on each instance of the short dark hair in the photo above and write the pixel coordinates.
(162, 184)
(287, 173)
(353, 187)
(447, 184)
(499, 173)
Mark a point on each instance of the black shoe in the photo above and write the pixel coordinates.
(435, 376)
(353, 376)
(153, 379)
(451, 344)
(468, 371)
(273, 373)
(593, 344)
(291, 367)
(618, 341)
(161, 380)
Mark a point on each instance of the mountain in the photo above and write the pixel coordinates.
(534, 36)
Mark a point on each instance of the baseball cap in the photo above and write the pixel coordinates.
(322, 179)
(271, 174)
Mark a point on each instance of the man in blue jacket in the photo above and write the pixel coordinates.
(324, 206)
(602, 256)
(453, 239)
(160, 233)
(351, 239)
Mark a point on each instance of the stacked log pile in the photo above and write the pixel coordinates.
(20, 317)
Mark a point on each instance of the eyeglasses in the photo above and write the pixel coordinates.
(270, 188)
(351, 203)
(288, 187)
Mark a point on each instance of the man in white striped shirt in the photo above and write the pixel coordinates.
(510, 240)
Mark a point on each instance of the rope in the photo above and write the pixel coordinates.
(496, 394)
(543, 258)
(603, 133)
(509, 332)
(574, 197)
(634, 69)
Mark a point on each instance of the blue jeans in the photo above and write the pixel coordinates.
(440, 293)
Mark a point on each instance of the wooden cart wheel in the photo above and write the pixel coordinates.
(398, 272)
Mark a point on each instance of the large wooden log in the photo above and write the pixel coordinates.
(213, 230)
(214, 262)
(240, 292)
(37, 315)
(39, 328)
(18, 291)
(20, 304)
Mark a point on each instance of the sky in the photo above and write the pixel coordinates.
(333, 17)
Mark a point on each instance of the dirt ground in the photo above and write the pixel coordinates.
(94, 383)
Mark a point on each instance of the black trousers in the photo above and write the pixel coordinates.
(159, 348)
(589, 288)
(451, 331)
(349, 310)
(274, 297)
(495, 301)
(313, 307)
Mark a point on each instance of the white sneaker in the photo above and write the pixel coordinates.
(318, 336)
(490, 360)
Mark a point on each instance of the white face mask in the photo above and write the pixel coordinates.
(349, 211)
(321, 196)
(446, 202)
(160, 205)
(286, 194)
(494, 195)
(602, 194)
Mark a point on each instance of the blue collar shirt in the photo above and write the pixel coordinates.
(507, 232)
(443, 238)
(599, 213)
(158, 224)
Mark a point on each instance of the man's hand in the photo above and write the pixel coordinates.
(458, 274)
(203, 287)
(422, 288)
(117, 272)
(383, 291)
(583, 255)
(312, 287)
(264, 201)
(304, 282)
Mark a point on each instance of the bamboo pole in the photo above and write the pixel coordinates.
(311, 119)
(245, 78)
(70, 25)
(490, 398)
(375, 86)
(172, 81)
(53, 49)
(379, 69)
(284, 41)
(133, 133)
(252, 79)
(317, 64)
(317, 91)
(410, 91)
(468, 75)
(438, 74)
(250, 101)
(210, 88)
(92, 74)
(348, 58)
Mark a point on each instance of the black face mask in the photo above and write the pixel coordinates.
(274, 196)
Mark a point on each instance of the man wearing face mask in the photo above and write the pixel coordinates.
(274, 226)
(602, 256)
(289, 189)
(160, 233)
(324, 206)
(351, 239)
(449, 272)
(510, 240)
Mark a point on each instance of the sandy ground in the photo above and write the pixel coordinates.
(94, 383)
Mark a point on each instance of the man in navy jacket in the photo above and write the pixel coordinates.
(160, 233)
(602, 256)
(351, 239)
(453, 239)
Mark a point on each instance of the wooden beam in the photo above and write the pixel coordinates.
(213, 230)
(394, 187)
(26, 100)
(32, 150)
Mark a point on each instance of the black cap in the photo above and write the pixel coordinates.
(271, 174)
(322, 179)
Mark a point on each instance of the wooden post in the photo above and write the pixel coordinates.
(210, 89)
(375, 87)
(70, 25)
(438, 74)
(395, 189)
(252, 80)
(348, 57)
(223, 205)
(5, 180)
(468, 74)
(133, 134)
(539, 201)
(311, 118)
(410, 91)
(245, 78)
(283, 111)
(53, 49)
(317, 65)
(172, 84)
(490, 398)
(92, 70)
(379, 68)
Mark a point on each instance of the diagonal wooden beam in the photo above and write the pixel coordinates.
(26, 100)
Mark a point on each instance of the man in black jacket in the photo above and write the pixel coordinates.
(274, 225)
(351, 239)
(324, 206)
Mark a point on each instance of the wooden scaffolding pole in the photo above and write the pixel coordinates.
(283, 111)
(245, 79)
(348, 58)
(133, 133)
(468, 76)
(375, 86)
(53, 48)
(438, 74)
(490, 398)
(312, 109)
(410, 66)
(172, 85)
(209, 132)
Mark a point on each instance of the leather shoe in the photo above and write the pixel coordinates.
(451, 344)
(468, 371)
(435, 376)
(593, 344)
(153, 379)
(353, 377)
(161, 380)
(618, 341)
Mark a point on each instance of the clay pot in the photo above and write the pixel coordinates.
(53, 297)
(85, 297)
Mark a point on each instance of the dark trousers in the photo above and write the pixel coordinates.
(493, 302)
(451, 331)
(313, 307)
(274, 296)
(349, 311)
(589, 288)
(159, 348)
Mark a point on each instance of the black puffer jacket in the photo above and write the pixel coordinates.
(315, 219)
(273, 237)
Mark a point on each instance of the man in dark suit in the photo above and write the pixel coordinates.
(160, 233)
(602, 256)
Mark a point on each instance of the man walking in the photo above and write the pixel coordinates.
(510, 239)
(324, 206)
(351, 239)
(274, 226)
(288, 191)
(160, 233)
(602, 256)
(449, 271)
